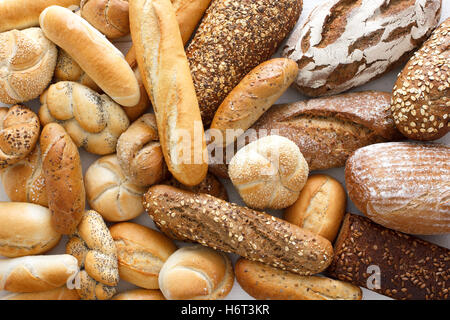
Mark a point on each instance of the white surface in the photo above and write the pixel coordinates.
(383, 84)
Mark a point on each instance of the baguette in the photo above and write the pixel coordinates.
(227, 227)
(167, 79)
(101, 61)
(61, 293)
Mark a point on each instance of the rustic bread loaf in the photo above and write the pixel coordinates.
(346, 43)
(402, 186)
(227, 227)
(407, 268)
(233, 38)
(421, 95)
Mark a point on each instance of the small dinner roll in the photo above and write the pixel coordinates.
(141, 253)
(110, 192)
(139, 294)
(196, 273)
(28, 60)
(269, 173)
(320, 207)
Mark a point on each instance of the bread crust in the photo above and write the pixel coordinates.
(62, 293)
(139, 294)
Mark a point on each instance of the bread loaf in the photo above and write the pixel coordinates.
(267, 283)
(167, 79)
(227, 227)
(28, 60)
(196, 273)
(139, 294)
(61, 293)
(389, 262)
(344, 44)
(421, 95)
(101, 61)
(233, 38)
(93, 121)
(63, 178)
(25, 229)
(402, 186)
(19, 132)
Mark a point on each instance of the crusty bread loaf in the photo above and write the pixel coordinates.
(93, 121)
(227, 227)
(264, 282)
(28, 60)
(19, 133)
(92, 245)
(25, 229)
(402, 186)
(63, 178)
(167, 79)
(196, 273)
(389, 262)
(221, 56)
(141, 253)
(269, 173)
(344, 44)
(320, 206)
(254, 95)
(421, 95)
(21, 14)
(61, 293)
(139, 294)
(101, 61)
(37, 273)
(24, 181)
(110, 192)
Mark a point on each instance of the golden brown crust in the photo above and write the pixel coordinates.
(139, 294)
(62, 293)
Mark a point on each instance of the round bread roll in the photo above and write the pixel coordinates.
(269, 173)
(139, 294)
(28, 60)
(141, 253)
(320, 207)
(19, 133)
(196, 273)
(110, 193)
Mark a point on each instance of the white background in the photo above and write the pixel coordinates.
(383, 84)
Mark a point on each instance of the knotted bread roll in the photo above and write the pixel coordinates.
(269, 172)
(28, 60)
(96, 253)
(19, 132)
(93, 121)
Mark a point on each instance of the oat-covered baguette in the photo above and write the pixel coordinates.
(227, 227)
(346, 43)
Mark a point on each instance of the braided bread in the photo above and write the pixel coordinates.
(96, 253)
(93, 121)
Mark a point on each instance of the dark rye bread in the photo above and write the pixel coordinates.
(227, 227)
(233, 38)
(327, 130)
(410, 268)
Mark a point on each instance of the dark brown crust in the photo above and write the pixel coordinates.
(411, 268)
(227, 227)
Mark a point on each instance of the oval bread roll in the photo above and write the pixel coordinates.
(139, 294)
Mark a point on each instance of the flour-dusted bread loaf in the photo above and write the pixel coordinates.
(402, 186)
(233, 38)
(346, 43)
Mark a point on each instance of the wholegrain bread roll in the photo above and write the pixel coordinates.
(139, 294)
(61, 293)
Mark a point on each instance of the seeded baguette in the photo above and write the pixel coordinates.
(227, 227)
(410, 268)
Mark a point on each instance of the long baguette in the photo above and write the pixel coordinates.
(224, 226)
(167, 79)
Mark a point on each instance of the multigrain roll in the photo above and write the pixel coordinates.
(139, 294)
(196, 273)
(19, 133)
(28, 59)
(141, 253)
(233, 38)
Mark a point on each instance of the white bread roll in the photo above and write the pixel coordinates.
(196, 273)
(139, 294)
(62, 293)
(98, 57)
(25, 229)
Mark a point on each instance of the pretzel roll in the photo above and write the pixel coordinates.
(93, 121)
(139, 152)
(19, 132)
(110, 192)
(196, 273)
(96, 253)
(269, 172)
